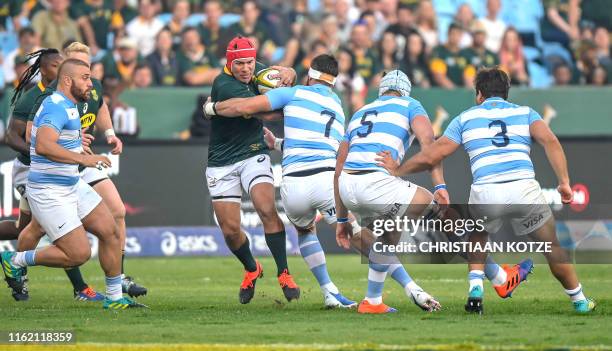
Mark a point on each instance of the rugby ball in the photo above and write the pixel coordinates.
(264, 82)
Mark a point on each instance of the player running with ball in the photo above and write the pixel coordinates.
(238, 159)
(497, 136)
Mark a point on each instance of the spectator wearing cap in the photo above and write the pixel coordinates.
(494, 26)
(366, 61)
(447, 65)
(511, 57)
(180, 12)
(145, 27)
(163, 62)
(55, 25)
(196, 66)
(414, 62)
(210, 30)
(477, 55)
(427, 25)
(28, 42)
(121, 63)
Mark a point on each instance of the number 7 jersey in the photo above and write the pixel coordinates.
(496, 136)
(383, 125)
(314, 126)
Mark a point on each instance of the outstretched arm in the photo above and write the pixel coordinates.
(425, 160)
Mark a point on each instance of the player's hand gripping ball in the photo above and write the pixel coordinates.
(265, 82)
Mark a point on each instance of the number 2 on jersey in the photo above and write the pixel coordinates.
(502, 134)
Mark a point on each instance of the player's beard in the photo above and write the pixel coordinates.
(81, 95)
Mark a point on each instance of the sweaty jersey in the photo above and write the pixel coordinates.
(22, 110)
(496, 136)
(234, 139)
(314, 126)
(61, 114)
(383, 125)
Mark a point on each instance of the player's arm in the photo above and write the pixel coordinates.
(424, 133)
(556, 156)
(15, 136)
(428, 158)
(28, 133)
(343, 228)
(274, 99)
(47, 136)
(104, 123)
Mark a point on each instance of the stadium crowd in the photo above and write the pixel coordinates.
(142, 43)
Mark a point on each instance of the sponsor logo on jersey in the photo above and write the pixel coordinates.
(87, 120)
(85, 107)
(94, 94)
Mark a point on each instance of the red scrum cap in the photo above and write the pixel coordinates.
(239, 48)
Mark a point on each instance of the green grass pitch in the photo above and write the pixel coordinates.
(195, 301)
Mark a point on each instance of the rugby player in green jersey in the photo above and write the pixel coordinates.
(238, 159)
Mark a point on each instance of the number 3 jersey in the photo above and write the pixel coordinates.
(383, 125)
(496, 136)
(314, 126)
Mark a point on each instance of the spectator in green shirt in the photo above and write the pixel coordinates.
(447, 65)
(99, 14)
(120, 64)
(366, 61)
(210, 30)
(162, 61)
(196, 65)
(180, 12)
(477, 55)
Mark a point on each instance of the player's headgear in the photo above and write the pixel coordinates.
(239, 48)
(395, 80)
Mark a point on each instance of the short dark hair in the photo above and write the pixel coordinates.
(325, 63)
(70, 62)
(492, 82)
(26, 31)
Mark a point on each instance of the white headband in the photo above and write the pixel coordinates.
(326, 77)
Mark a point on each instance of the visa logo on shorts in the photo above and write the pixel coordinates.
(331, 212)
(533, 221)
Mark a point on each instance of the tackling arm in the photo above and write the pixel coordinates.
(47, 146)
(424, 133)
(238, 107)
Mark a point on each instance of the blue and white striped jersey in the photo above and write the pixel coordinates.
(61, 114)
(496, 136)
(314, 126)
(383, 125)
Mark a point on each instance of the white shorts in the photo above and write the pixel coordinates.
(59, 209)
(20, 175)
(226, 183)
(520, 202)
(92, 175)
(303, 196)
(375, 195)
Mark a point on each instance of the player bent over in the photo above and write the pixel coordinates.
(64, 205)
(369, 191)
(314, 126)
(238, 159)
(497, 136)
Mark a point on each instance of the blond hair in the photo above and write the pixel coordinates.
(76, 47)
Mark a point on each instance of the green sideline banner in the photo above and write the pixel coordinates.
(163, 113)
